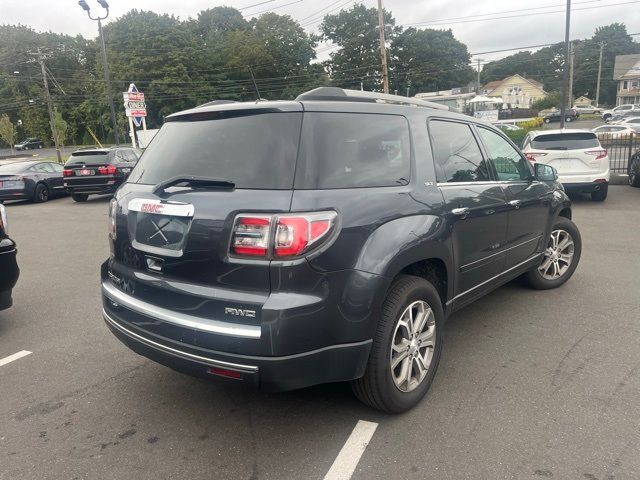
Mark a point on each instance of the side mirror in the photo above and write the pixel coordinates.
(545, 173)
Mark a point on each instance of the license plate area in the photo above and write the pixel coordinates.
(84, 172)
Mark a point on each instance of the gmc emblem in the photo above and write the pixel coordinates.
(240, 312)
(151, 207)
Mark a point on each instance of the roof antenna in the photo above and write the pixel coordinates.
(255, 85)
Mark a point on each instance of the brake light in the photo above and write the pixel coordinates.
(599, 154)
(67, 173)
(251, 236)
(108, 170)
(533, 156)
(293, 234)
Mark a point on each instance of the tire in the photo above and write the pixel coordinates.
(377, 388)
(634, 171)
(41, 194)
(568, 119)
(600, 195)
(79, 197)
(536, 278)
(39, 146)
(547, 120)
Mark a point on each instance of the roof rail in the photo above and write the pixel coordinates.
(342, 94)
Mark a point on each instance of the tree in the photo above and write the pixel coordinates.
(428, 60)
(357, 60)
(552, 100)
(60, 128)
(7, 130)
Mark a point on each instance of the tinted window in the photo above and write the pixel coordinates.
(565, 141)
(507, 161)
(56, 167)
(89, 157)
(41, 168)
(350, 150)
(457, 154)
(253, 151)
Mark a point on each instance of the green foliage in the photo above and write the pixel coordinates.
(60, 128)
(358, 58)
(7, 130)
(552, 100)
(429, 60)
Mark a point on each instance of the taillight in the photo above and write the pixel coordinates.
(251, 236)
(113, 206)
(599, 154)
(532, 157)
(293, 234)
(67, 173)
(108, 170)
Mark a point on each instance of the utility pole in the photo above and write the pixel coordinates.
(599, 73)
(565, 73)
(383, 49)
(572, 54)
(478, 88)
(49, 106)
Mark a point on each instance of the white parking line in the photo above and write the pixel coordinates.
(347, 460)
(15, 356)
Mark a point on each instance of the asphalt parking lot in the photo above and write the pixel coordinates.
(531, 384)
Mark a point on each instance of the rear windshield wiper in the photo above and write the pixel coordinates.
(194, 182)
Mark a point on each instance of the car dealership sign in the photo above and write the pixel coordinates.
(134, 105)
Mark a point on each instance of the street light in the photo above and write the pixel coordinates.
(107, 78)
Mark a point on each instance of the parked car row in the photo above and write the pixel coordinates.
(621, 110)
(9, 271)
(87, 171)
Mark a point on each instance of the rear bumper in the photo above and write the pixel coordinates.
(329, 364)
(20, 194)
(586, 187)
(96, 189)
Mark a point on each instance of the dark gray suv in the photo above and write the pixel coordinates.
(286, 244)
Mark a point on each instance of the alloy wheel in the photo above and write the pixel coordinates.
(633, 172)
(558, 255)
(412, 346)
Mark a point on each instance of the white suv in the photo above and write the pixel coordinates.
(626, 108)
(581, 162)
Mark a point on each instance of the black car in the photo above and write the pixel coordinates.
(29, 144)
(8, 266)
(286, 244)
(571, 115)
(98, 170)
(32, 180)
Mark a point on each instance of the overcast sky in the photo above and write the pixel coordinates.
(523, 22)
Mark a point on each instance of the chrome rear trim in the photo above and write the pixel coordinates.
(180, 319)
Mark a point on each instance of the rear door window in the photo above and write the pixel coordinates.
(353, 150)
(565, 141)
(456, 153)
(88, 158)
(252, 150)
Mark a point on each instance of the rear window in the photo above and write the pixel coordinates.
(255, 151)
(88, 158)
(351, 150)
(565, 141)
(11, 168)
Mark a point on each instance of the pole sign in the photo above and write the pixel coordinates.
(134, 104)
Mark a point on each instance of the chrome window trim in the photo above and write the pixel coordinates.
(488, 182)
(176, 318)
(177, 353)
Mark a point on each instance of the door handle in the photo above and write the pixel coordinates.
(461, 212)
(515, 204)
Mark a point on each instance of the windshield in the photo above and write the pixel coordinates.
(88, 158)
(11, 168)
(565, 141)
(252, 151)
